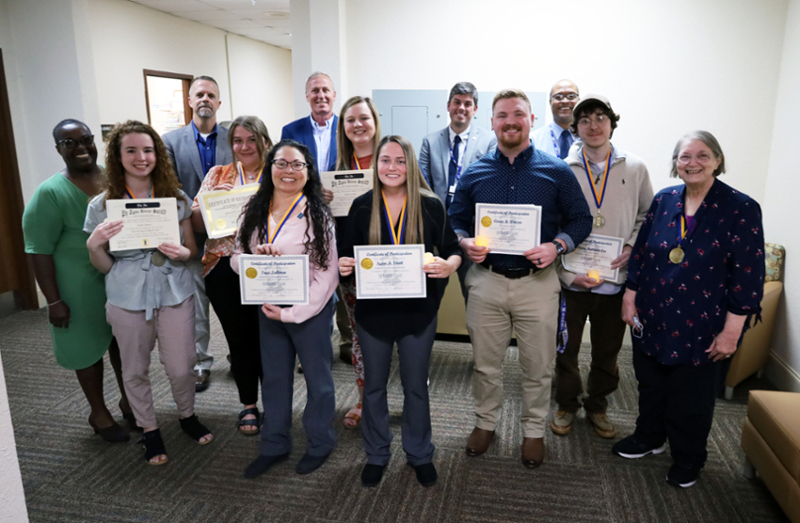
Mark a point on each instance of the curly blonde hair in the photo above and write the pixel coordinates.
(165, 181)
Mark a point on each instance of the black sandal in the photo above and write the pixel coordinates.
(153, 446)
(249, 422)
(196, 430)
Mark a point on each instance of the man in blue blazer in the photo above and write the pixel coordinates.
(318, 131)
(194, 150)
(446, 154)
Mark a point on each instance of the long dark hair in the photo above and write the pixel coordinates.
(318, 214)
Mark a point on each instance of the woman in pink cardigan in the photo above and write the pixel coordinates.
(289, 216)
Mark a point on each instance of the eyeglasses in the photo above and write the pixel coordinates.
(560, 97)
(69, 143)
(283, 164)
(600, 119)
(701, 158)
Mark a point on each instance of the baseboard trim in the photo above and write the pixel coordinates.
(781, 374)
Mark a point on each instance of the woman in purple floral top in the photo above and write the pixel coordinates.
(695, 277)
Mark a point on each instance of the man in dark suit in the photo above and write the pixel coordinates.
(447, 153)
(318, 131)
(194, 150)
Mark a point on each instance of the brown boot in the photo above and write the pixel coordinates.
(479, 441)
(532, 452)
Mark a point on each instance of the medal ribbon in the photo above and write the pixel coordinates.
(295, 203)
(241, 173)
(358, 165)
(397, 239)
(684, 232)
(132, 197)
(600, 194)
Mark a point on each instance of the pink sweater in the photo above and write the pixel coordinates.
(322, 283)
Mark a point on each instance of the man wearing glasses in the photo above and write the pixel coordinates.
(556, 138)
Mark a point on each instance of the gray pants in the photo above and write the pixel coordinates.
(415, 354)
(202, 327)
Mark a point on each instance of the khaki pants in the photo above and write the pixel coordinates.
(174, 329)
(497, 305)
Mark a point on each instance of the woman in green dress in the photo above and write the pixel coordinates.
(74, 289)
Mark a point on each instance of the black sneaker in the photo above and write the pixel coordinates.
(426, 474)
(632, 448)
(682, 475)
(372, 474)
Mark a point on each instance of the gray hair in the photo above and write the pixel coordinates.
(464, 88)
(316, 74)
(708, 139)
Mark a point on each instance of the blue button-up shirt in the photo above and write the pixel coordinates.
(207, 148)
(535, 178)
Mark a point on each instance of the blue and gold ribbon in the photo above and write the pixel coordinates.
(397, 237)
(599, 194)
(241, 173)
(271, 238)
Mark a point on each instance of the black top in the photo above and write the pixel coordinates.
(401, 316)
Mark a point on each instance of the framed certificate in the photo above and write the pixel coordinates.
(147, 223)
(277, 280)
(509, 229)
(390, 271)
(596, 252)
(221, 209)
(346, 187)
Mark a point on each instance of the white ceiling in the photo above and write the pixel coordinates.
(264, 20)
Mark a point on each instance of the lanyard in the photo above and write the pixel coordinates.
(684, 231)
(271, 238)
(555, 143)
(241, 173)
(397, 239)
(599, 194)
(151, 193)
(358, 165)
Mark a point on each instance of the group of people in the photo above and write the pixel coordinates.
(690, 273)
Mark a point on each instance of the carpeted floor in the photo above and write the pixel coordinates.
(70, 475)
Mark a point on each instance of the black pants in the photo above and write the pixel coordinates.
(676, 403)
(240, 325)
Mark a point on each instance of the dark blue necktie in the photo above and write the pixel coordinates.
(453, 171)
(563, 144)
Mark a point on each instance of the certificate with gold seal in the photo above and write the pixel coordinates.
(146, 223)
(596, 252)
(390, 271)
(509, 228)
(221, 209)
(277, 280)
(346, 187)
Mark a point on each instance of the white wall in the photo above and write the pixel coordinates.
(780, 203)
(667, 67)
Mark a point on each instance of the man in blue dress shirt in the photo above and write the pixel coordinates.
(510, 292)
(556, 137)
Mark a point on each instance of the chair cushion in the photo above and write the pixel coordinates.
(773, 256)
(775, 415)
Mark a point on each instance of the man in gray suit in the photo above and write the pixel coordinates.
(446, 154)
(194, 150)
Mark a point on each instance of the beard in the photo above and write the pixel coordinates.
(205, 111)
(510, 143)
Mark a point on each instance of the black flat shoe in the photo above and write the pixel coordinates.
(426, 474)
(130, 419)
(262, 464)
(372, 474)
(196, 430)
(114, 433)
(309, 463)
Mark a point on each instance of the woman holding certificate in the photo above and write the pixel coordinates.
(288, 216)
(149, 291)
(250, 143)
(401, 211)
(359, 133)
(695, 279)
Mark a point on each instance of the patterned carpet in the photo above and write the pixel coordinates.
(70, 475)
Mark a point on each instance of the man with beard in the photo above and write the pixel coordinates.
(510, 292)
(194, 150)
(318, 131)
(556, 137)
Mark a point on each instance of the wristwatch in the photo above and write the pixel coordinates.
(560, 249)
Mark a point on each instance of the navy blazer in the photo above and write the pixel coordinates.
(185, 157)
(301, 131)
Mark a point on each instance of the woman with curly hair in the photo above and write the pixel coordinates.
(249, 140)
(149, 292)
(289, 216)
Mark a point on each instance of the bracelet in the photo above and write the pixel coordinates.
(54, 303)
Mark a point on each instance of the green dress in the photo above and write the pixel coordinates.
(53, 225)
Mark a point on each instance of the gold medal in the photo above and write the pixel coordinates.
(676, 255)
(158, 258)
(599, 221)
(366, 263)
(251, 273)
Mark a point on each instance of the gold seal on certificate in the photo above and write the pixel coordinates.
(277, 280)
(595, 255)
(221, 209)
(509, 228)
(346, 187)
(146, 223)
(390, 271)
